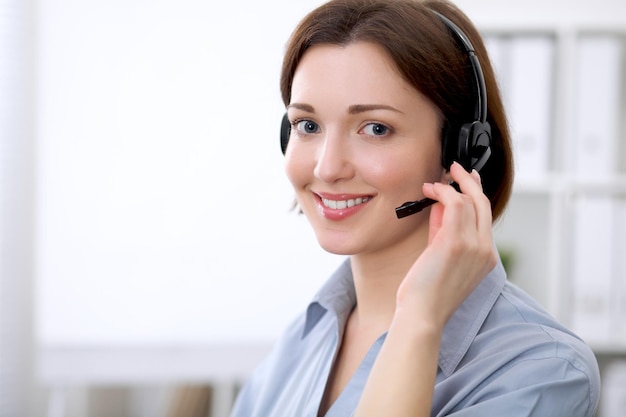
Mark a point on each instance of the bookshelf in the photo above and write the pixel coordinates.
(566, 222)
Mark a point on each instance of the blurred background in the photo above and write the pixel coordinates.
(148, 254)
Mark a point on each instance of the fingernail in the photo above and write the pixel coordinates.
(476, 176)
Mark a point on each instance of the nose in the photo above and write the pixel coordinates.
(334, 158)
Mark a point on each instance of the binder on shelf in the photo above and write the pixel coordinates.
(614, 389)
(529, 91)
(592, 269)
(618, 312)
(597, 118)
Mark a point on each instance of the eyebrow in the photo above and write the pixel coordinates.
(301, 106)
(354, 109)
(361, 108)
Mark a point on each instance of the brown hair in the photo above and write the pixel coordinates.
(427, 56)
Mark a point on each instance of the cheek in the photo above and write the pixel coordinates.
(385, 173)
(297, 169)
(402, 174)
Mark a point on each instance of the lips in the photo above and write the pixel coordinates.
(340, 206)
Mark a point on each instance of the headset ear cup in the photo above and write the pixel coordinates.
(285, 132)
(463, 146)
(481, 145)
(474, 145)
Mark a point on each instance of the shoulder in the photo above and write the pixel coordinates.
(302, 356)
(297, 363)
(262, 384)
(519, 320)
(523, 362)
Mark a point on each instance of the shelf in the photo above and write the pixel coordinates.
(572, 185)
(617, 349)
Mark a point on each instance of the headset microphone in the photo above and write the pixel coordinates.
(412, 207)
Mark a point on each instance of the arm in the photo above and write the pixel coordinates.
(459, 254)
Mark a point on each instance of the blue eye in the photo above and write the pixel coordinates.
(376, 129)
(306, 126)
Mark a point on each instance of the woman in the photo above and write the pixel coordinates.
(382, 99)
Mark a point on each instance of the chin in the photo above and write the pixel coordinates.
(337, 245)
(335, 248)
(335, 251)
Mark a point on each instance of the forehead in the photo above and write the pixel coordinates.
(361, 70)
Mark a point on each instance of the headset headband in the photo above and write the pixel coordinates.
(480, 109)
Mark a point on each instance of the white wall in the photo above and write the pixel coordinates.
(550, 13)
(163, 212)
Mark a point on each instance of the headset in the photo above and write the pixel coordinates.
(473, 140)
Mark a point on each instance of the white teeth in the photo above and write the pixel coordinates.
(342, 204)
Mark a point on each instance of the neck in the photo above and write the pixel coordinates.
(377, 277)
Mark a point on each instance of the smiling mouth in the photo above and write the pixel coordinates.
(342, 204)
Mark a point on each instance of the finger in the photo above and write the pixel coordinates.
(471, 185)
(457, 210)
(476, 177)
(465, 220)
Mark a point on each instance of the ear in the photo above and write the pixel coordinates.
(445, 177)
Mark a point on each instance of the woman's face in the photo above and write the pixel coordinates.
(363, 141)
